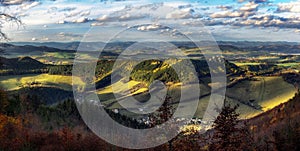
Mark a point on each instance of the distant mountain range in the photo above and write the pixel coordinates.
(94, 46)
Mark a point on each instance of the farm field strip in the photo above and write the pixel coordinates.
(15, 82)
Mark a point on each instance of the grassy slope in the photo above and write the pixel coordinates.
(15, 82)
(266, 92)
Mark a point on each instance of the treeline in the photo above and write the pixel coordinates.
(262, 68)
(292, 78)
(60, 69)
(150, 70)
(22, 65)
(102, 68)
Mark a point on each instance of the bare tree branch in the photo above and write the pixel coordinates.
(7, 18)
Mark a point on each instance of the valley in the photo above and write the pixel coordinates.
(254, 78)
(37, 84)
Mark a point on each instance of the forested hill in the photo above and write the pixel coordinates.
(279, 127)
(21, 65)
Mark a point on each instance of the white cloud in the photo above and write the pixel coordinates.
(97, 24)
(150, 27)
(27, 6)
(271, 21)
(81, 20)
(251, 6)
(227, 14)
(250, 13)
(61, 22)
(293, 7)
(128, 17)
(224, 8)
(13, 2)
(106, 18)
(85, 13)
(181, 14)
(67, 35)
(45, 39)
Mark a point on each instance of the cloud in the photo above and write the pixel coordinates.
(130, 13)
(253, 20)
(73, 14)
(151, 27)
(13, 2)
(44, 39)
(155, 11)
(272, 21)
(77, 20)
(260, 1)
(81, 20)
(114, 15)
(97, 24)
(185, 6)
(66, 9)
(162, 30)
(293, 7)
(249, 7)
(67, 35)
(254, 1)
(244, 11)
(85, 13)
(27, 6)
(227, 14)
(61, 22)
(224, 8)
(182, 14)
(128, 17)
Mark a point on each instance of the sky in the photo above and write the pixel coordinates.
(100, 20)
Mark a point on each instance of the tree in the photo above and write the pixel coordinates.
(230, 133)
(163, 114)
(3, 101)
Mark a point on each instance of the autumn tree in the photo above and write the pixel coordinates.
(229, 133)
(162, 115)
(287, 137)
(3, 101)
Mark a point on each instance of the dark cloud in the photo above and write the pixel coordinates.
(14, 2)
(67, 9)
(184, 6)
(260, 1)
(254, 1)
(262, 21)
(222, 7)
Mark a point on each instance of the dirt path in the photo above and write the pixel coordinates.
(262, 89)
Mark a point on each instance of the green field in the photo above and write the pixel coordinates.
(253, 96)
(246, 63)
(267, 92)
(16, 82)
(294, 64)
